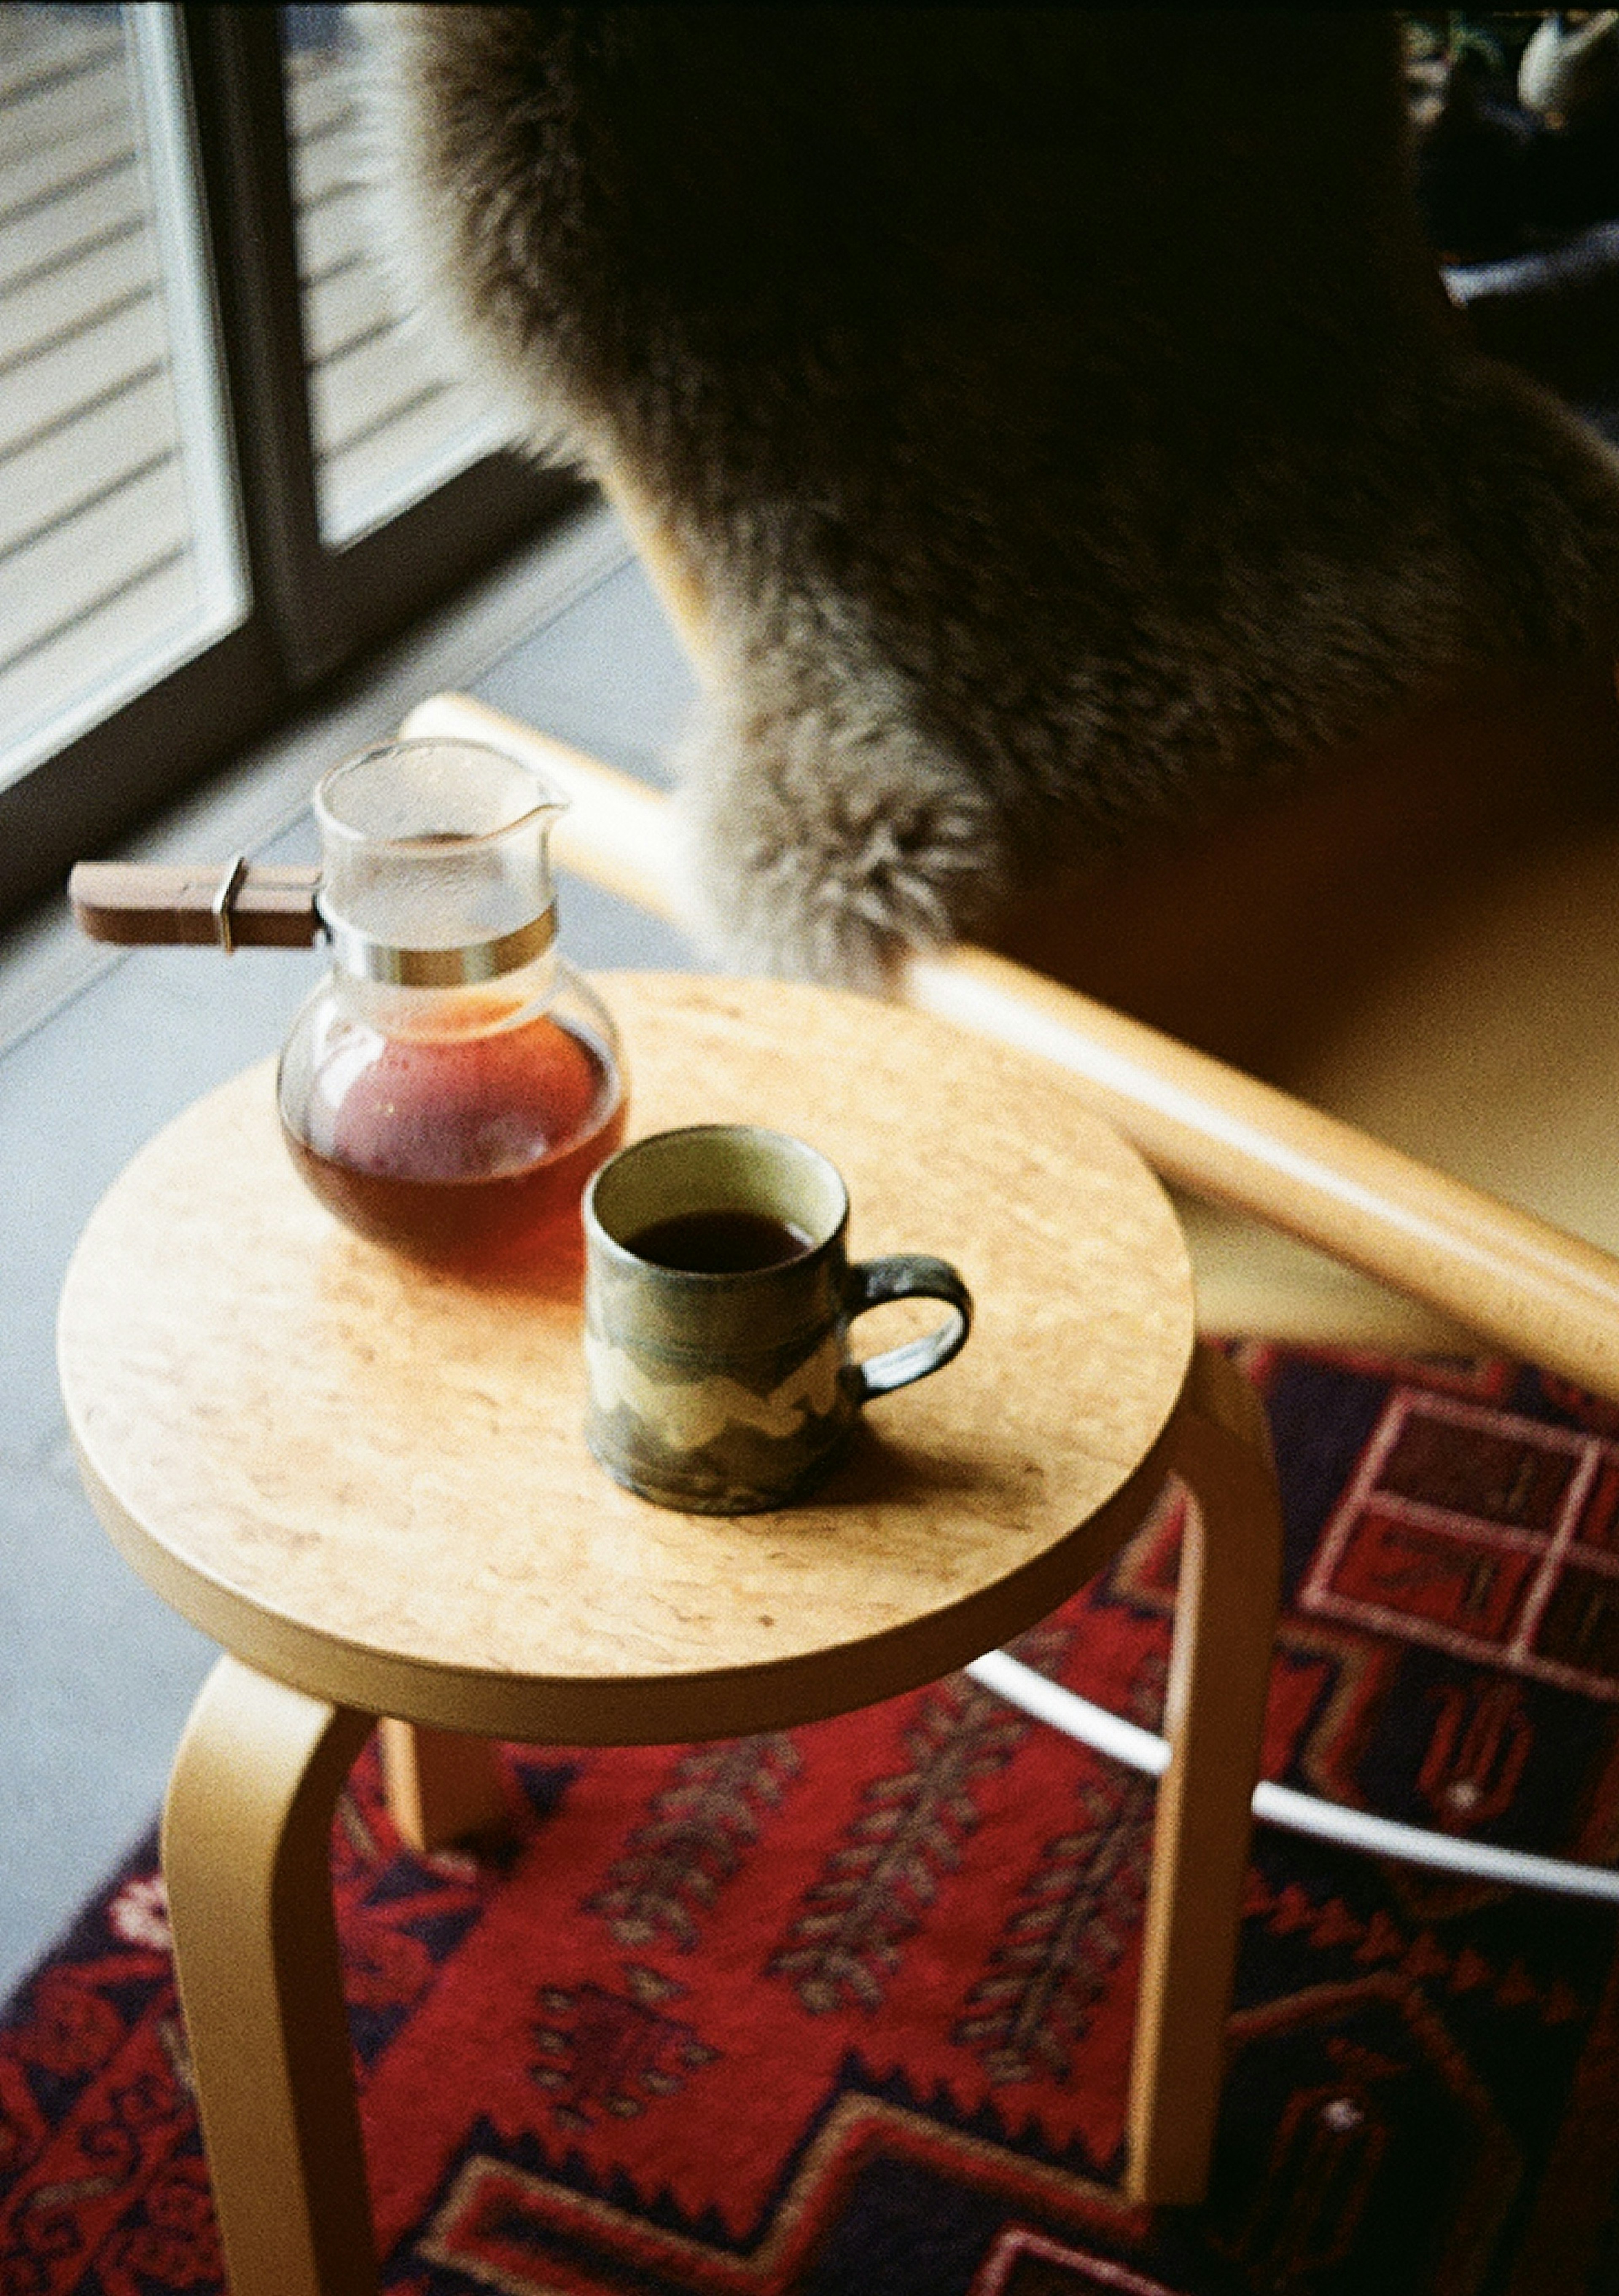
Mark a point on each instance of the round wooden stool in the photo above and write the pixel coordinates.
(369, 1483)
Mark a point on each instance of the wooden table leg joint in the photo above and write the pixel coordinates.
(247, 1833)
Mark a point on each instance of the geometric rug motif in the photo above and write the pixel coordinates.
(1504, 1547)
(846, 2010)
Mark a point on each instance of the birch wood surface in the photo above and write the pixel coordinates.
(370, 1482)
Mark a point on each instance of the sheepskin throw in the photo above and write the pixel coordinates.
(1057, 410)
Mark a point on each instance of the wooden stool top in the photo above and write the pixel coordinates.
(370, 1482)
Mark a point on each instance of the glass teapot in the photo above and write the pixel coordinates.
(452, 1083)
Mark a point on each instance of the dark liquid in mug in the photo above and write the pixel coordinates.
(721, 1242)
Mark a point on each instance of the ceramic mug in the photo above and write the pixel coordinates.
(718, 1294)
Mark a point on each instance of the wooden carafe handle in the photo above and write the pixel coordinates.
(224, 905)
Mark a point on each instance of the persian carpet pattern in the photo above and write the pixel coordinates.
(846, 2010)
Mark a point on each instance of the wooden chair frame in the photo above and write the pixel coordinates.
(1519, 1283)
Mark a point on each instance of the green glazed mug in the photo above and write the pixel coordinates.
(718, 1294)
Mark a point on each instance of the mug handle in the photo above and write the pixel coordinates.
(907, 1276)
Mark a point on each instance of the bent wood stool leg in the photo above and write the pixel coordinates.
(247, 1846)
(441, 1785)
(1220, 1669)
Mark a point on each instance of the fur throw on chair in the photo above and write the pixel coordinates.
(1057, 411)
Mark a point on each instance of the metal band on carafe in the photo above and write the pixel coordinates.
(357, 953)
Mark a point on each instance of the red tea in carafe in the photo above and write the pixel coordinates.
(452, 1084)
(468, 1152)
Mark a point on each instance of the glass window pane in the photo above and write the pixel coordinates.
(389, 425)
(120, 554)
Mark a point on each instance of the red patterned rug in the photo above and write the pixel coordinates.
(845, 2011)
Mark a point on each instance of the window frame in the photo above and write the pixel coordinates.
(314, 610)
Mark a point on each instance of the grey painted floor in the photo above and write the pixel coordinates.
(96, 1674)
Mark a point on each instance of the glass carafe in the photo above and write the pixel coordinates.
(452, 1083)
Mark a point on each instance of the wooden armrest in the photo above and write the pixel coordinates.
(1520, 1283)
